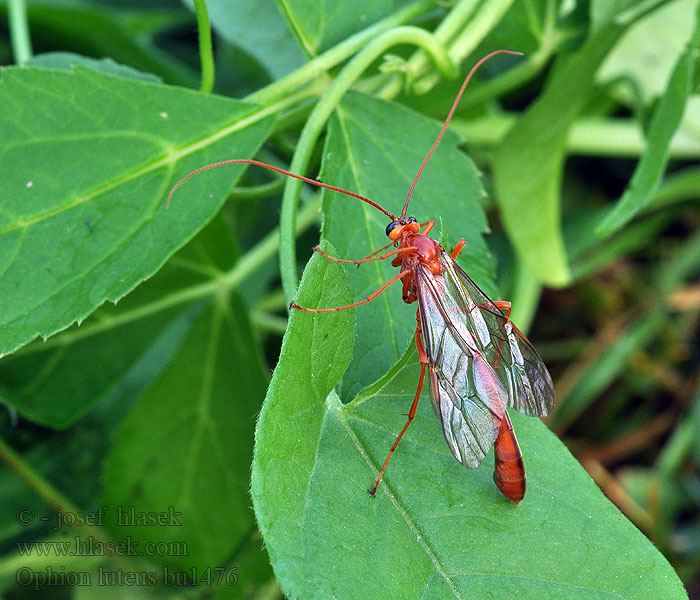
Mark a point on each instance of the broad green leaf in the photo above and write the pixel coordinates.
(120, 346)
(435, 529)
(66, 61)
(664, 123)
(528, 164)
(320, 25)
(375, 148)
(186, 446)
(87, 162)
(259, 29)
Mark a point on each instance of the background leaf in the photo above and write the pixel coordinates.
(54, 383)
(66, 61)
(84, 197)
(187, 444)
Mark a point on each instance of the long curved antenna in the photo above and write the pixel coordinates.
(262, 164)
(447, 120)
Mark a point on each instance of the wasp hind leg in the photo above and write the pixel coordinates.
(412, 412)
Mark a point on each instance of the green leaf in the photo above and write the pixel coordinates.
(87, 161)
(315, 458)
(375, 148)
(66, 61)
(320, 25)
(187, 445)
(664, 123)
(528, 164)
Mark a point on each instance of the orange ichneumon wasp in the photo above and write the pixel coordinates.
(478, 361)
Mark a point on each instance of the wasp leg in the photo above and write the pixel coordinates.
(412, 412)
(369, 298)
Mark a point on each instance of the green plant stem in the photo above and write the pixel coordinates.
(59, 503)
(338, 53)
(317, 121)
(680, 186)
(37, 483)
(679, 445)
(19, 31)
(488, 16)
(206, 55)
(273, 301)
(469, 34)
(450, 26)
(590, 136)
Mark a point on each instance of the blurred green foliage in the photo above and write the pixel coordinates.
(572, 172)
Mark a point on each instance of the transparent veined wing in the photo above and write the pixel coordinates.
(468, 395)
(521, 370)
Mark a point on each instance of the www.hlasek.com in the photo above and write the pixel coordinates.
(48, 577)
(89, 546)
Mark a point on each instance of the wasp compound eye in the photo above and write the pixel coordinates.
(411, 220)
(391, 226)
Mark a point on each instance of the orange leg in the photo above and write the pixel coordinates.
(367, 259)
(428, 226)
(369, 298)
(504, 305)
(458, 249)
(412, 412)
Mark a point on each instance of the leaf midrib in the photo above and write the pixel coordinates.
(336, 407)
